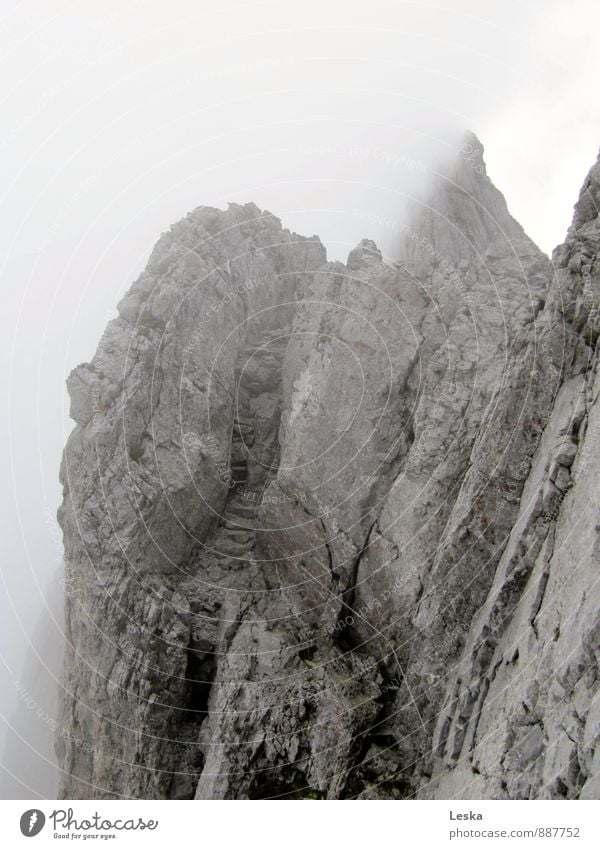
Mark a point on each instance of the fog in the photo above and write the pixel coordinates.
(119, 118)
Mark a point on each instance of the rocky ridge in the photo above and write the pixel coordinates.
(331, 529)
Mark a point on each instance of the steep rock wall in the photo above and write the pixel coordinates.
(335, 535)
(145, 477)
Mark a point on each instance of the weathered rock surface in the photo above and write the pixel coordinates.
(333, 529)
(146, 477)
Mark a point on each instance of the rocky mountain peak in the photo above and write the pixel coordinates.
(464, 216)
(365, 254)
(324, 524)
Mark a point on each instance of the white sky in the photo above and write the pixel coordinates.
(120, 116)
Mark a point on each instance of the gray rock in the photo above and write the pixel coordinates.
(334, 527)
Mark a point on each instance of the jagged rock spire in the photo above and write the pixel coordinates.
(463, 214)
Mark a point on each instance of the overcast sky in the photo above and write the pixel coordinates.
(122, 115)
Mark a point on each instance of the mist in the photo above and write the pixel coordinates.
(121, 118)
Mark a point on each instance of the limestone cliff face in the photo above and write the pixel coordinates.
(331, 530)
